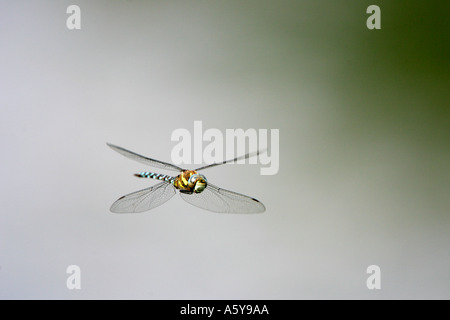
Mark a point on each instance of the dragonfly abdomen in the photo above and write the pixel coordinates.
(157, 176)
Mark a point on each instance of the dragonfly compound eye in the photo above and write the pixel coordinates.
(200, 183)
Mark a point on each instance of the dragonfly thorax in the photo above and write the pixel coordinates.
(189, 181)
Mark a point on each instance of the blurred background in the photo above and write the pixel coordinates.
(364, 148)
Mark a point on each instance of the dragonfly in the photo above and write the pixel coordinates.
(193, 188)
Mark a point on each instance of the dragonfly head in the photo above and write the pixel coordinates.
(198, 181)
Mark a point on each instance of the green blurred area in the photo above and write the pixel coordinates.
(386, 115)
(400, 78)
(394, 77)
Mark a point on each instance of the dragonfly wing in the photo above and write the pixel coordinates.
(145, 199)
(223, 201)
(246, 156)
(147, 161)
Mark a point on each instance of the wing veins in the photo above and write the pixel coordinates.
(246, 156)
(145, 160)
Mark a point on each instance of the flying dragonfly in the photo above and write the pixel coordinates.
(192, 186)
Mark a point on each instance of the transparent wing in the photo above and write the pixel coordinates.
(248, 155)
(148, 161)
(223, 201)
(145, 199)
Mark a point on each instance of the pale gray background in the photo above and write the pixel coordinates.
(363, 119)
